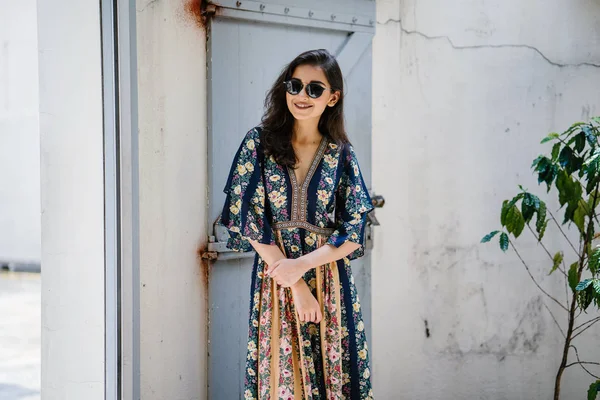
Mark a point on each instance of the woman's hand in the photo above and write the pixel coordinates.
(287, 271)
(307, 306)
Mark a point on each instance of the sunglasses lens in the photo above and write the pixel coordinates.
(314, 90)
(293, 86)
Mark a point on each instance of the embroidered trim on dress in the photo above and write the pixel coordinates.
(305, 225)
(300, 193)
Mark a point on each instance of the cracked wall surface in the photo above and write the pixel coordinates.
(462, 95)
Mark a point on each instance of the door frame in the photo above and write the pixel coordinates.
(121, 200)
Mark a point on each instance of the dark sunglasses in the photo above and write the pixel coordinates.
(313, 90)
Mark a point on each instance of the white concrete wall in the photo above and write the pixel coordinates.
(72, 191)
(463, 92)
(19, 133)
(173, 193)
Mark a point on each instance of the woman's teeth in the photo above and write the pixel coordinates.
(303, 106)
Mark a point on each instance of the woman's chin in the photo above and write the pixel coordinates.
(302, 116)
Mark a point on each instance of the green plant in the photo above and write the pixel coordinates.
(573, 168)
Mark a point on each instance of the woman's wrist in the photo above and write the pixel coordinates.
(305, 264)
(298, 284)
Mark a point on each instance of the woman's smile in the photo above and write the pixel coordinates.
(303, 106)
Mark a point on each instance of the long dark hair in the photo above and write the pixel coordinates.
(278, 121)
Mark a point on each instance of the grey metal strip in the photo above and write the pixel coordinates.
(296, 16)
(129, 198)
(111, 207)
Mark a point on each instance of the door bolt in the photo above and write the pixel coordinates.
(370, 22)
(262, 7)
(354, 19)
(238, 3)
(310, 14)
(286, 10)
(209, 255)
(332, 17)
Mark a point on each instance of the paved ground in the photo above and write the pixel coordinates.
(19, 336)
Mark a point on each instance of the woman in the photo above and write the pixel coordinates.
(295, 195)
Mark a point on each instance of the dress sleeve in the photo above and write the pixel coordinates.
(244, 213)
(352, 205)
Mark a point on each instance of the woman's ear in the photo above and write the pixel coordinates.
(334, 98)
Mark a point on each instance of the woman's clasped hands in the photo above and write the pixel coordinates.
(287, 271)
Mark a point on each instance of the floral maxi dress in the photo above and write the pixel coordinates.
(289, 359)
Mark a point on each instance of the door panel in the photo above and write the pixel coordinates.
(245, 57)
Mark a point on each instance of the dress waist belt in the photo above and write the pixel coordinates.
(303, 224)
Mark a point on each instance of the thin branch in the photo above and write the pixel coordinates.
(544, 247)
(561, 231)
(534, 281)
(555, 321)
(593, 321)
(581, 363)
(586, 328)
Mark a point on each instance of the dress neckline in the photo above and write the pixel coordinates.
(299, 191)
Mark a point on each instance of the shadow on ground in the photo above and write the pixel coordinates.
(8, 391)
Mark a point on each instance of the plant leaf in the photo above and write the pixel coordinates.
(527, 207)
(565, 156)
(594, 261)
(540, 224)
(503, 212)
(535, 162)
(585, 297)
(583, 284)
(504, 241)
(580, 142)
(489, 236)
(551, 136)
(514, 221)
(579, 216)
(558, 258)
(572, 276)
(562, 184)
(589, 134)
(593, 390)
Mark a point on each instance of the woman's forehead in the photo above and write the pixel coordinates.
(309, 73)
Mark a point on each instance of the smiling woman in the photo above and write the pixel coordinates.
(296, 195)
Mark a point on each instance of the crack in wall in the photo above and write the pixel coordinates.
(488, 46)
(151, 2)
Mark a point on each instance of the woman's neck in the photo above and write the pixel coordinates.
(306, 132)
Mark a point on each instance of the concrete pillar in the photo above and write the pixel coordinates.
(173, 199)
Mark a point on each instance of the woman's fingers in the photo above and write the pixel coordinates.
(310, 316)
(272, 268)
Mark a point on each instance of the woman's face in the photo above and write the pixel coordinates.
(301, 105)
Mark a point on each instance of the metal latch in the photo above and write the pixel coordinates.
(378, 201)
(217, 245)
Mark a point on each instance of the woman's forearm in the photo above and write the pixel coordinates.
(327, 253)
(268, 252)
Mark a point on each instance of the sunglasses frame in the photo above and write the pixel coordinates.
(287, 83)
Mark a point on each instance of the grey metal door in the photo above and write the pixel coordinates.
(249, 43)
